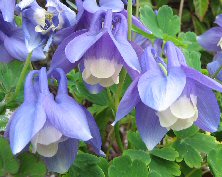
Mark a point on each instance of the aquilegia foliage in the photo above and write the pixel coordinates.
(53, 125)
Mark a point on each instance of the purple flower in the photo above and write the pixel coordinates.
(39, 25)
(100, 51)
(53, 125)
(7, 8)
(92, 6)
(86, 10)
(214, 67)
(12, 43)
(211, 40)
(172, 97)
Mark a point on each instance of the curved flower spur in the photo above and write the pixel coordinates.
(53, 125)
(172, 97)
(101, 51)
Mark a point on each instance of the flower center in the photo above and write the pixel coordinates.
(44, 20)
(46, 141)
(180, 115)
(101, 71)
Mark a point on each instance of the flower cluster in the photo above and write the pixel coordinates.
(167, 94)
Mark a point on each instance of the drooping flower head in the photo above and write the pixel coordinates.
(100, 51)
(39, 24)
(172, 96)
(53, 125)
(211, 40)
(12, 43)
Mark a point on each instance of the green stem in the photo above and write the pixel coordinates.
(22, 76)
(118, 138)
(137, 8)
(123, 77)
(130, 11)
(181, 9)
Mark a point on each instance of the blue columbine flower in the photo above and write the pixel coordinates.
(53, 125)
(211, 40)
(215, 66)
(7, 7)
(12, 43)
(100, 51)
(172, 97)
(39, 25)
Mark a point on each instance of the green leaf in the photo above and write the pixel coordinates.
(193, 59)
(3, 122)
(163, 23)
(135, 141)
(138, 155)
(124, 167)
(154, 174)
(187, 132)
(167, 153)
(215, 162)
(199, 27)
(86, 165)
(8, 164)
(31, 166)
(164, 168)
(190, 155)
(9, 75)
(168, 23)
(104, 165)
(191, 146)
(190, 39)
(191, 172)
(202, 142)
(148, 17)
(201, 7)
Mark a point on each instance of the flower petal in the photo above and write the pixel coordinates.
(202, 79)
(208, 109)
(159, 91)
(115, 5)
(91, 6)
(64, 157)
(210, 39)
(7, 8)
(15, 45)
(59, 59)
(96, 141)
(127, 103)
(76, 48)
(5, 56)
(47, 150)
(219, 20)
(26, 122)
(47, 135)
(149, 126)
